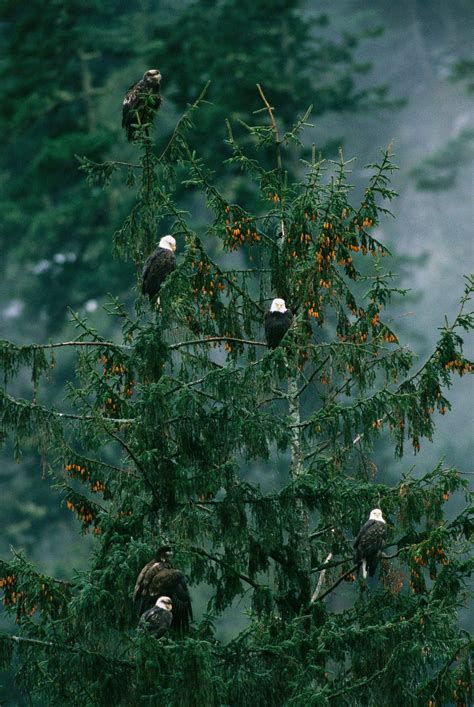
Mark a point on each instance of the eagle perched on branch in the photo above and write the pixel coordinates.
(158, 266)
(141, 102)
(370, 542)
(158, 579)
(278, 320)
(158, 619)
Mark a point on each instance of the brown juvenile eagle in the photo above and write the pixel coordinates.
(141, 102)
(158, 266)
(370, 542)
(158, 619)
(277, 322)
(159, 578)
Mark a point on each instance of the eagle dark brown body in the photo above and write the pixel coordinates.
(276, 326)
(369, 543)
(157, 267)
(158, 619)
(159, 578)
(141, 102)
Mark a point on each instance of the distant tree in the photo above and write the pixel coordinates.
(440, 170)
(59, 69)
(289, 48)
(53, 70)
(254, 464)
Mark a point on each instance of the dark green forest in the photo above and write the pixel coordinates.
(319, 155)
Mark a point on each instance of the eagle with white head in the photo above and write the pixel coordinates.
(159, 578)
(158, 619)
(370, 542)
(158, 266)
(278, 320)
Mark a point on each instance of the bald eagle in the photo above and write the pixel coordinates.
(141, 102)
(158, 266)
(158, 619)
(370, 542)
(277, 322)
(159, 578)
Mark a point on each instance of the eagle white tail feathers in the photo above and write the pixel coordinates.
(364, 569)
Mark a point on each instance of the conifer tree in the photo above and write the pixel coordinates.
(254, 464)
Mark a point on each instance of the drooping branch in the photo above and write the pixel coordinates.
(211, 339)
(137, 464)
(191, 108)
(63, 415)
(220, 561)
(63, 646)
(60, 344)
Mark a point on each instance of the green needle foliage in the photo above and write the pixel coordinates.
(254, 464)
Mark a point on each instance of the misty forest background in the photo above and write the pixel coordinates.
(396, 72)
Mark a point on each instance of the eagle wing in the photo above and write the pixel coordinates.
(156, 269)
(141, 592)
(172, 583)
(369, 542)
(138, 106)
(129, 99)
(129, 105)
(276, 326)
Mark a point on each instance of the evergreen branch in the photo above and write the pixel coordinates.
(61, 344)
(231, 283)
(26, 405)
(137, 464)
(204, 393)
(220, 561)
(191, 108)
(321, 532)
(99, 462)
(393, 658)
(336, 584)
(210, 339)
(24, 639)
(247, 270)
(107, 164)
(273, 124)
(63, 646)
(435, 680)
(270, 240)
(361, 683)
(438, 347)
(89, 501)
(20, 557)
(211, 373)
(398, 390)
(354, 406)
(204, 255)
(337, 563)
(312, 376)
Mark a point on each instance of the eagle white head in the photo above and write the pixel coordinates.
(278, 305)
(152, 76)
(164, 603)
(376, 514)
(168, 243)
